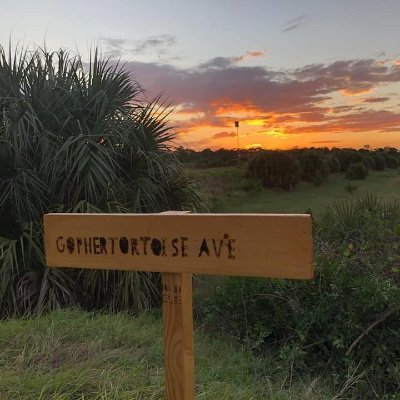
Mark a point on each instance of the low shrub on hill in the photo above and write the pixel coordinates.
(380, 162)
(346, 320)
(357, 171)
(275, 169)
(313, 168)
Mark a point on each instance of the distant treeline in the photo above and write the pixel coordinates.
(285, 168)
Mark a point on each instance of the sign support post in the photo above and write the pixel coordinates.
(178, 336)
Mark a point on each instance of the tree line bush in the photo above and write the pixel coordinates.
(345, 322)
(284, 169)
(76, 138)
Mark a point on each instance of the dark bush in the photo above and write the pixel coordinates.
(333, 164)
(313, 168)
(346, 319)
(346, 157)
(275, 169)
(380, 163)
(392, 162)
(369, 161)
(357, 171)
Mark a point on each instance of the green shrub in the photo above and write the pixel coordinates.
(392, 161)
(346, 318)
(380, 163)
(76, 138)
(357, 171)
(350, 188)
(333, 163)
(313, 168)
(275, 169)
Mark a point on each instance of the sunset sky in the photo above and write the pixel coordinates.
(292, 72)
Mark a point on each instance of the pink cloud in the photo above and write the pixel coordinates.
(218, 90)
(223, 134)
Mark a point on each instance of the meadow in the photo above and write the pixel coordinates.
(229, 191)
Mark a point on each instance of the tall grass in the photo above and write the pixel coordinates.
(76, 355)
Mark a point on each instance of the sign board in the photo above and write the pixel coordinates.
(179, 245)
(265, 245)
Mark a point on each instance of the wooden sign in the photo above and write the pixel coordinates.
(277, 246)
(179, 245)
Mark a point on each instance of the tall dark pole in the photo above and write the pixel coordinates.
(237, 137)
(237, 133)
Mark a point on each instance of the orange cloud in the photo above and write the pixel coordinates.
(301, 105)
(223, 134)
(356, 92)
(255, 122)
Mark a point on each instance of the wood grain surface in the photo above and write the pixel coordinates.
(178, 336)
(265, 245)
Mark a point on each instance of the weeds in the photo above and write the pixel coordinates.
(76, 355)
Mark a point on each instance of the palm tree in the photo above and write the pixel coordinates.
(75, 138)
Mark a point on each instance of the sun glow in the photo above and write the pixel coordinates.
(252, 146)
(276, 132)
(255, 122)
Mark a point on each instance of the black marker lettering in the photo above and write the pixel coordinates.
(103, 245)
(88, 245)
(124, 245)
(204, 248)
(79, 244)
(134, 244)
(70, 245)
(183, 246)
(145, 239)
(156, 247)
(174, 242)
(231, 249)
(96, 245)
(217, 252)
(60, 246)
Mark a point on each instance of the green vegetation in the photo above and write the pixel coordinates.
(346, 320)
(229, 191)
(313, 161)
(274, 169)
(69, 355)
(357, 171)
(76, 138)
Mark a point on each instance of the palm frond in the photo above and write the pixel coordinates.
(76, 137)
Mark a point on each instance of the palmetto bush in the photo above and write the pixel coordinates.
(75, 138)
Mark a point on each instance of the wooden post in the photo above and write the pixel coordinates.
(178, 336)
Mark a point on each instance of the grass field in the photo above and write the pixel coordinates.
(73, 355)
(229, 191)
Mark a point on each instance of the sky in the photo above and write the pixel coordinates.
(294, 73)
